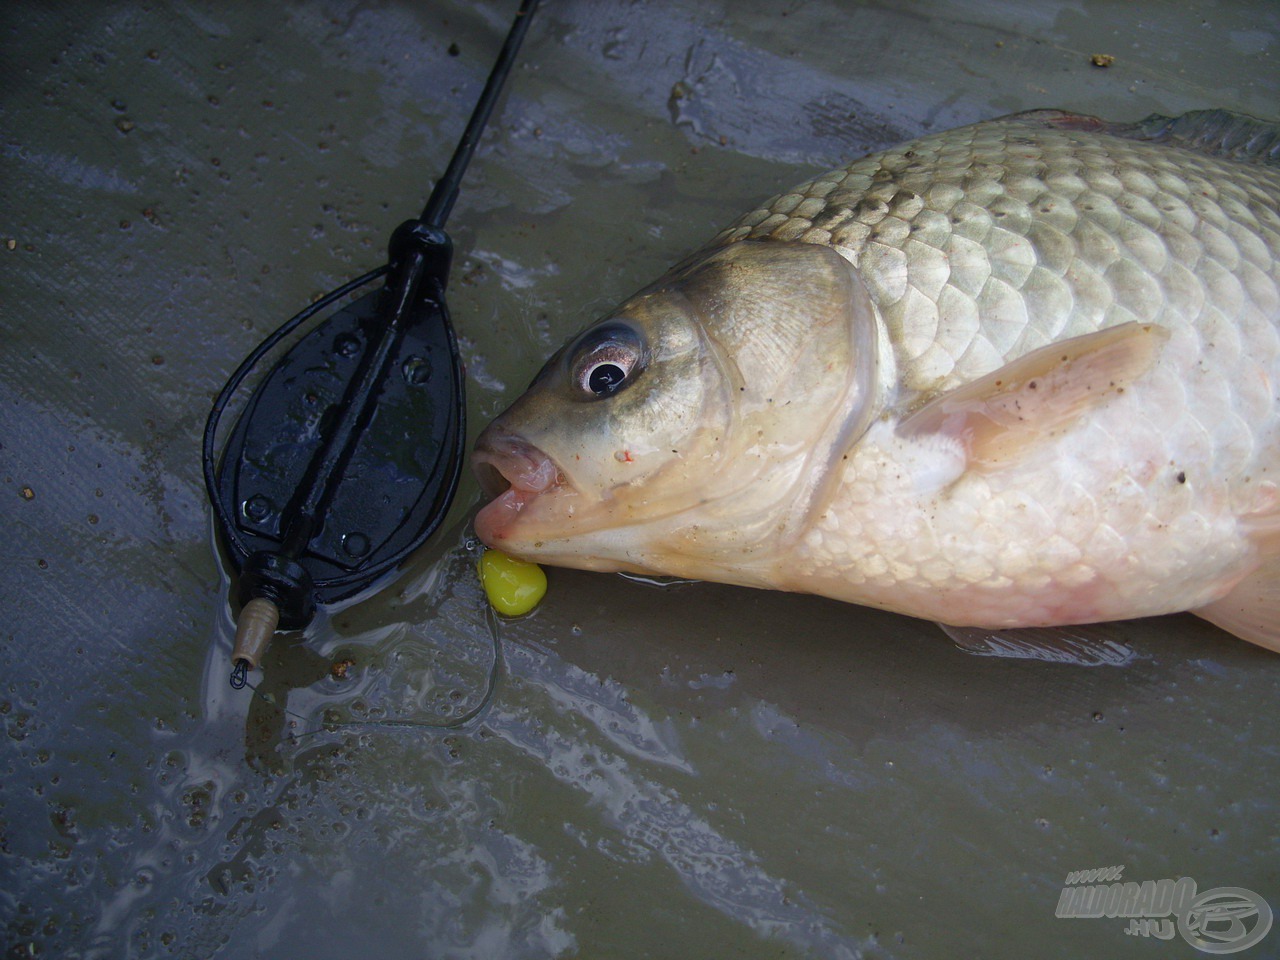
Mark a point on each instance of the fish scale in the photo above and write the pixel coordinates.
(1042, 232)
(1020, 374)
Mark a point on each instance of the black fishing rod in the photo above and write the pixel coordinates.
(347, 455)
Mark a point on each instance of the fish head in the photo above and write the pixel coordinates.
(682, 433)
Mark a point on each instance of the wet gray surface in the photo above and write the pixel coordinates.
(693, 771)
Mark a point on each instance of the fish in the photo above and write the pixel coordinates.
(1014, 377)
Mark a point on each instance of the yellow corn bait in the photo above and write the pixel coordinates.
(514, 587)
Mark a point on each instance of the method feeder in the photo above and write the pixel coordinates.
(347, 455)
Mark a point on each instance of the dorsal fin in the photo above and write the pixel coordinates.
(1216, 133)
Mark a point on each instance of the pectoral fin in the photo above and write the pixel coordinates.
(997, 417)
(1086, 645)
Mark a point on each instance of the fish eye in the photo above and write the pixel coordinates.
(605, 360)
(605, 377)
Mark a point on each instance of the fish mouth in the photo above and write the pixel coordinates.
(512, 472)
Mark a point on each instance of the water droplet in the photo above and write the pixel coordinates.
(348, 345)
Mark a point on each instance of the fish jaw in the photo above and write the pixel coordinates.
(536, 513)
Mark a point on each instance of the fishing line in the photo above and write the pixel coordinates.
(494, 674)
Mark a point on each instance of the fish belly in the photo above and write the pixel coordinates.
(1125, 516)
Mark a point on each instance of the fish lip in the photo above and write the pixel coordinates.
(504, 461)
(512, 473)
